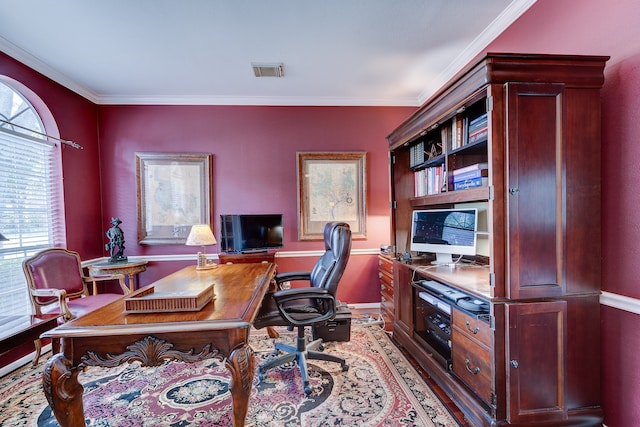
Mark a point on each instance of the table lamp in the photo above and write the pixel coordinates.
(201, 235)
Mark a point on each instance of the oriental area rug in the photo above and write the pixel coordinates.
(381, 388)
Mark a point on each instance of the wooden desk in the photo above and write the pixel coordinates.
(109, 337)
(129, 269)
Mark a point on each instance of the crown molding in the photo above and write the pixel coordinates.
(38, 65)
(257, 100)
(493, 30)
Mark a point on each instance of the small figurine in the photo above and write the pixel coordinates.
(116, 242)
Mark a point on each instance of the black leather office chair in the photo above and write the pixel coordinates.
(309, 306)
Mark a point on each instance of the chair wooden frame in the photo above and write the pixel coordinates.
(44, 297)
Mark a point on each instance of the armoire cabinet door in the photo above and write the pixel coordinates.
(535, 189)
(536, 359)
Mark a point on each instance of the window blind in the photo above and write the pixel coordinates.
(31, 211)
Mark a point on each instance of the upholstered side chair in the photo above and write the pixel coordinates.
(307, 306)
(58, 286)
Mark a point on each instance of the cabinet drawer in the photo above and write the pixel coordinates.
(386, 291)
(472, 364)
(473, 328)
(385, 279)
(385, 264)
(386, 304)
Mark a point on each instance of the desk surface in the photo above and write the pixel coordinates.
(239, 289)
(470, 278)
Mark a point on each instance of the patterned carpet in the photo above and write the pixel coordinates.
(380, 389)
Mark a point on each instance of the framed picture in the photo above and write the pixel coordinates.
(173, 193)
(331, 187)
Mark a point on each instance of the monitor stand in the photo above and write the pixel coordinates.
(443, 259)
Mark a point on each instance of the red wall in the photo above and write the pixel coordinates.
(254, 169)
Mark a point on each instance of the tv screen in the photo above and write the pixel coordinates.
(445, 232)
(245, 233)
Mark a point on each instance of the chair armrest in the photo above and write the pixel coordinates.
(104, 277)
(49, 292)
(286, 295)
(320, 295)
(61, 295)
(292, 275)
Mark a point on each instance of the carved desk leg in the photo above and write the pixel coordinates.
(241, 364)
(63, 391)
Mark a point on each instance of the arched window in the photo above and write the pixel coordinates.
(31, 203)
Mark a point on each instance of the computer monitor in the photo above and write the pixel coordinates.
(445, 232)
(244, 233)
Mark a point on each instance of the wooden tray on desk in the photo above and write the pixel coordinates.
(150, 301)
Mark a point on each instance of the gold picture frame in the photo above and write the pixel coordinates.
(173, 193)
(331, 187)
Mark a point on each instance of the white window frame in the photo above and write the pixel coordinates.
(31, 196)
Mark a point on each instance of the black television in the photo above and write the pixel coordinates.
(248, 233)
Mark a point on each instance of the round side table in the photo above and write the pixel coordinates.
(129, 269)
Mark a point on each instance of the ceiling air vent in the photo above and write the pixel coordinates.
(268, 70)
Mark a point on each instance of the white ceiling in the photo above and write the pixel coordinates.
(335, 52)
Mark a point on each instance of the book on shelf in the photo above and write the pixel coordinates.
(475, 166)
(478, 130)
(480, 135)
(445, 136)
(478, 123)
(470, 183)
(428, 181)
(416, 154)
(457, 134)
(476, 173)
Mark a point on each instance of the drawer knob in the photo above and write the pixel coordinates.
(473, 331)
(514, 363)
(473, 371)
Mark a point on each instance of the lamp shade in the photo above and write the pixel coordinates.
(2, 238)
(200, 235)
